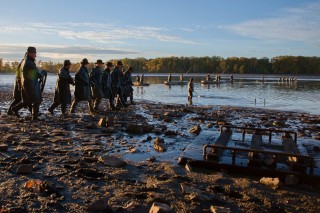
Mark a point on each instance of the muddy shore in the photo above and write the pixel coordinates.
(63, 164)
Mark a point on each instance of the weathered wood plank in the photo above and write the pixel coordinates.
(215, 154)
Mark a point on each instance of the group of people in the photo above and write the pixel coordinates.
(111, 83)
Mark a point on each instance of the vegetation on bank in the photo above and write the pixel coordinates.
(297, 65)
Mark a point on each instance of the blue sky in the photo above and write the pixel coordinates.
(149, 28)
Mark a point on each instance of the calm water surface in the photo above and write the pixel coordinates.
(247, 91)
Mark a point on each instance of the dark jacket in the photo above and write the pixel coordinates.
(30, 85)
(82, 81)
(107, 83)
(62, 93)
(95, 81)
(117, 77)
(128, 83)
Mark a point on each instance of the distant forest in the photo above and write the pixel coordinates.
(295, 65)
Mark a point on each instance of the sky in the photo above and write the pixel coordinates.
(105, 29)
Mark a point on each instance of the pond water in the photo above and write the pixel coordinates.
(245, 90)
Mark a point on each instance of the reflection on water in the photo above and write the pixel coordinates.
(301, 96)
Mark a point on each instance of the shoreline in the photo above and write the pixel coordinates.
(71, 159)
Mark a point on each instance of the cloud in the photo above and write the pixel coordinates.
(294, 24)
(98, 32)
(61, 52)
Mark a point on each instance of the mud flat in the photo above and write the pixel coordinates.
(72, 164)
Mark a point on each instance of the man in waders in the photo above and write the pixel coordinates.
(96, 86)
(82, 89)
(62, 95)
(190, 89)
(107, 85)
(31, 80)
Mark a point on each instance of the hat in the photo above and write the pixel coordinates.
(31, 50)
(109, 64)
(84, 61)
(67, 62)
(119, 63)
(99, 61)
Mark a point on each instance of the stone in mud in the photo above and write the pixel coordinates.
(3, 147)
(137, 128)
(195, 130)
(100, 206)
(291, 180)
(24, 169)
(209, 125)
(316, 148)
(220, 209)
(159, 145)
(111, 161)
(171, 133)
(188, 167)
(156, 130)
(198, 197)
(110, 121)
(167, 119)
(102, 122)
(160, 208)
(272, 182)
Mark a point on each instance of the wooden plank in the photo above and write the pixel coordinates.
(194, 150)
(290, 146)
(215, 154)
(256, 143)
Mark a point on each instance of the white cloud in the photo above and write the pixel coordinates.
(61, 52)
(294, 24)
(98, 32)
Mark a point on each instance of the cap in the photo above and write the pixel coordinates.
(119, 63)
(84, 61)
(67, 62)
(31, 50)
(99, 61)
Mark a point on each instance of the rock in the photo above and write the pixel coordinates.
(102, 122)
(156, 130)
(160, 208)
(167, 114)
(100, 206)
(316, 148)
(291, 180)
(110, 121)
(195, 196)
(171, 133)
(3, 147)
(167, 119)
(209, 125)
(137, 128)
(149, 138)
(220, 209)
(188, 167)
(188, 189)
(272, 182)
(159, 145)
(25, 169)
(195, 130)
(111, 161)
(151, 159)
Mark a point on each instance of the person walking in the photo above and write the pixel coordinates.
(82, 89)
(31, 77)
(17, 90)
(62, 95)
(118, 84)
(169, 77)
(190, 89)
(95, 82)
(128, 80)
(107, 85)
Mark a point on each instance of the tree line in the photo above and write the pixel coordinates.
(298, 65)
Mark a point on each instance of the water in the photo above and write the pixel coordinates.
(246, 91)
